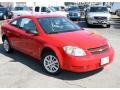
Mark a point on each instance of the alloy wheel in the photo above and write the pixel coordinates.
(6, 45)
(51, 64)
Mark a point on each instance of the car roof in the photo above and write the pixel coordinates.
(41, 15)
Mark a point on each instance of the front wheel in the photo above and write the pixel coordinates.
(50, 63)
(6, 46)
(88, 25)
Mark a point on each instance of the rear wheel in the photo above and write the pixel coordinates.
(50, 63)
(6, 46)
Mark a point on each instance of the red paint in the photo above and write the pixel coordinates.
(34, 44)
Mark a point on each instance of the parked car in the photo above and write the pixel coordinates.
(60, 12)
(45, 9)
(98, 15)
(115, 7)
(74, 13)
(21, 10)
(5, 13)
(57, 42)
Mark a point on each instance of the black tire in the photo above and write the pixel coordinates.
(88, 25)
(108, 26)
(85, 19)
(46, 56)
(7, 46)
(9, 17)
(118, 13)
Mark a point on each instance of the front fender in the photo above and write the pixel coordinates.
(57, 52)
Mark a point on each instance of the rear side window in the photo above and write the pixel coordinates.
(24, 23)
(27, 24)
(14, 22)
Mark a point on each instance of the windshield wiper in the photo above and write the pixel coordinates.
(62, 31)
(52, 32)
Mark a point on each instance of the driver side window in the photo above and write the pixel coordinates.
(27, 24)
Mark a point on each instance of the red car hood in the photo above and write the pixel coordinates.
(82, 39)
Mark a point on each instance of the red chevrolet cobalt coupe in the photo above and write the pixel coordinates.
(57, 42)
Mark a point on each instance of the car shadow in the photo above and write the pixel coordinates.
(35, 65)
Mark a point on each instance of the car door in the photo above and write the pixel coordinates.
(14, 33)
(29, 39)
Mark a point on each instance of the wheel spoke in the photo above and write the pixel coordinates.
(6, 45)
(51, 63)
(55, 62)
(55, 67)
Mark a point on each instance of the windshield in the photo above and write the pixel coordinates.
(98, 9)
(74, 9)
(52, 9)
(57, 25)
(2, 9)
(81, 7)
(56, 8)
(21, 8)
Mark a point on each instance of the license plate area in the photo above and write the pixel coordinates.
(104, 60)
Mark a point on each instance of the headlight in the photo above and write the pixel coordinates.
(78, 14)
(74, 51)
(91, 18)
(1, 14)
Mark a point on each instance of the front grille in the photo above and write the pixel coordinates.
(98, 50)
(100, 18)
(73, 14)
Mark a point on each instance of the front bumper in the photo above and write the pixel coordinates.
(98, 22)
(74, 17)
(86, 63)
